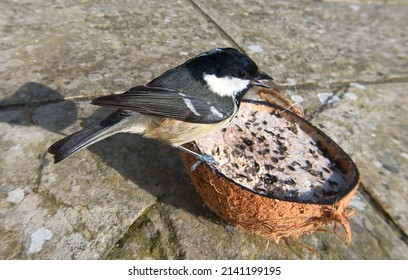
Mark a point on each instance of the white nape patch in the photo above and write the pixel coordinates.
(181, 94)
(215, 112)
(38, 238)
(190, 106)
(225, 86)
(214, 50)
(209, 52)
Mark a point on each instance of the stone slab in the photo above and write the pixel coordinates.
(370, 123)
(91, 47)
(128, 197)
(314, 41)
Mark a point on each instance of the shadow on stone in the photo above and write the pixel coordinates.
(41, 107)
(151, 165)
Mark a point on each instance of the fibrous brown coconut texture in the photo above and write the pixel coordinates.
(277, 175)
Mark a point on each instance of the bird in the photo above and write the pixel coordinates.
(189, 101)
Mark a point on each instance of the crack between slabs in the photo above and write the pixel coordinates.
(309, 85)
(217, 26)
(344, 87)
(380, 209)
(36, 104)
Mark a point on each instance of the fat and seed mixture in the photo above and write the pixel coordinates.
(266, 153)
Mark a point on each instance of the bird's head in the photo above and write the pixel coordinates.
(227, 72)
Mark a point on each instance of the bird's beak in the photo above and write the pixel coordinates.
(261, 80)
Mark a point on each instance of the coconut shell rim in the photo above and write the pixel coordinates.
(344, 192)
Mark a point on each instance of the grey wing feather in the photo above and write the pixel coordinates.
(166, 103)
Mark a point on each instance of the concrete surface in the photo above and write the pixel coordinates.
(345, 62)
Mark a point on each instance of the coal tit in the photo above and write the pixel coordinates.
(183, 104)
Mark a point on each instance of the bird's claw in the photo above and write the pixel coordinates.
(204, 158)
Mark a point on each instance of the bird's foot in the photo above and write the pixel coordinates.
(200, 158)
(203, 158)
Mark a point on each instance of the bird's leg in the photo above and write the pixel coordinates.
(200, 158)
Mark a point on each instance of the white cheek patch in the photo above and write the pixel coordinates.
(225, 86)
(190, 106)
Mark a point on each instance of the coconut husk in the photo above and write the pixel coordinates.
(268, 216)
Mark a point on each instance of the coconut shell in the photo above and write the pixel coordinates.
(276, 97)
(268, 216)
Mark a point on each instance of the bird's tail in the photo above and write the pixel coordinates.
(116, 122)
(77, 141)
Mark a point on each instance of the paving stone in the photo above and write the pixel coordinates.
(89, 47)
(60, 206)
(374, 130)
(49, 51)
(129, 198)
(311, 41)
(196, 233)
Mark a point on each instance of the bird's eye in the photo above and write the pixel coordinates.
(241, 74)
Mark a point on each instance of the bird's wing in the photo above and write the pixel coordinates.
(166, 103)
